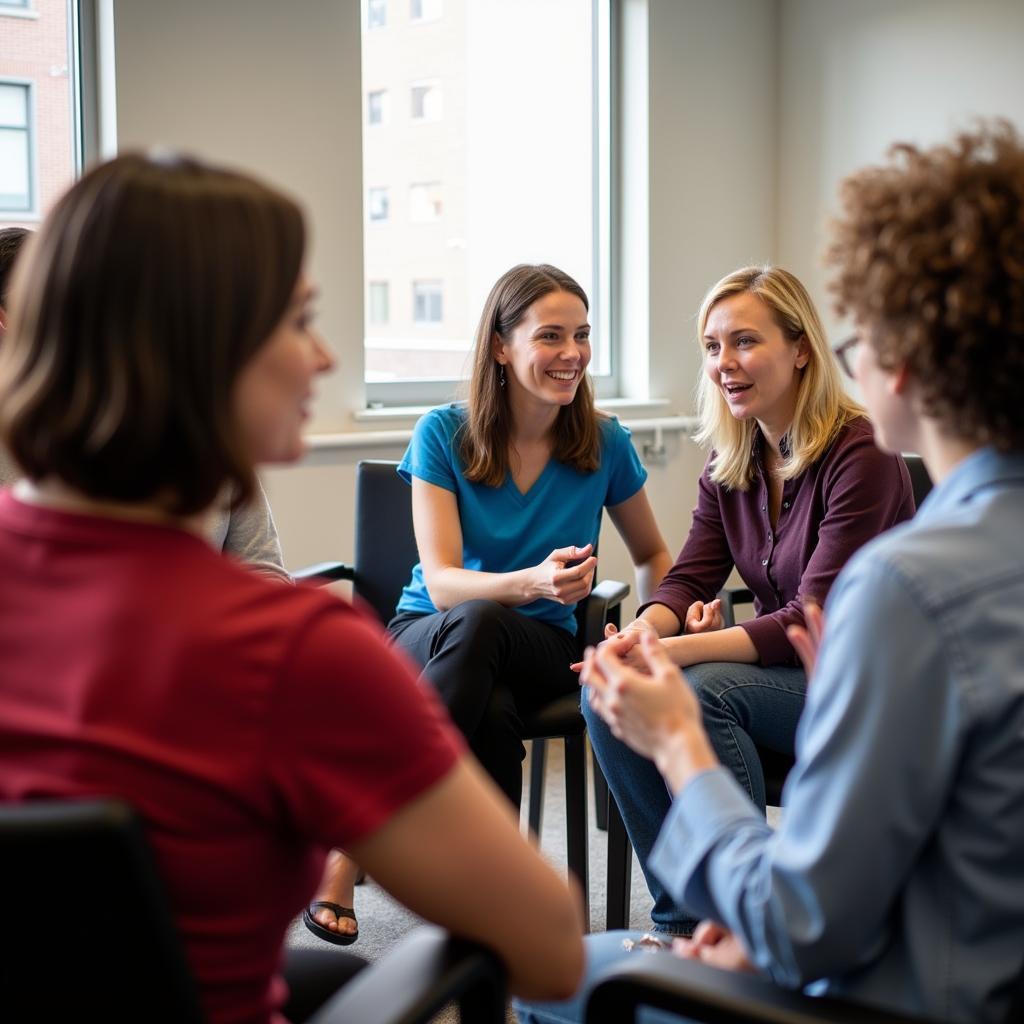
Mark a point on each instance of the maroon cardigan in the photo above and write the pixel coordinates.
(852, 493)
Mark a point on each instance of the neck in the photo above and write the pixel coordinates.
(532, 422)
(52, 493)
(773, 435)
(940, 452)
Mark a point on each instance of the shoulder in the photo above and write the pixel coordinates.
(854, 453)
(443, 422)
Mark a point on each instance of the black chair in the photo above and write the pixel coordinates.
(103, 945)
(698, 992)
(385, 552)
(776, 765)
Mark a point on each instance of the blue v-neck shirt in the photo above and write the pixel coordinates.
(504, 530)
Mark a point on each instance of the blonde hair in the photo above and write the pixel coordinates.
(484, 437)
(822, 406)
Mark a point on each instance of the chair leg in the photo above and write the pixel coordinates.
(601, 795)
(538, 758)
(576, 816)
(620, 867)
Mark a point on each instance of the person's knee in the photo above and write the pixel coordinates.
(711, 680)
(479, 620)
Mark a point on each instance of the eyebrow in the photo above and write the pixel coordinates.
(732, 334)
(560, 327)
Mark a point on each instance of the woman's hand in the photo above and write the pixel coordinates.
(624, 641)
(716, 945)
(806, 639)
(654, 711)
(704, 616)
(553, 581)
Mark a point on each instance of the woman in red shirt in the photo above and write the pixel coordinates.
(161, 345)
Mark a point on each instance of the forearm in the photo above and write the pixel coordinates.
(662, 618)
(649, 574)
(452, 585)
(732, 644)
(683, 754)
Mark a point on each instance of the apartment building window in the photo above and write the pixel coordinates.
(22, 4)
(425, 204)
(427, 302)
(488, 167)
(377, 106)
(376, 13)
(379, 302)
(16, 145)
(426, 101)
(425, 10)
(378, 204)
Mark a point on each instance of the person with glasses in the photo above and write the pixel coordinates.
(793, 486)
(894, 878)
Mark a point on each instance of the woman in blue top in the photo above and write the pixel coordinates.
(507, 496)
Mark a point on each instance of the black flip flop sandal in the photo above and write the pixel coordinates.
(325, 933)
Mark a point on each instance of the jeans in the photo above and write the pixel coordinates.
(742, 704)
(603, 950)
(491, 665)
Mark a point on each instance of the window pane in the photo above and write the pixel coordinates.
(376, 13)
(37, 122)
(379, 302)
(376, 106)
(378, 204)
(495, 163)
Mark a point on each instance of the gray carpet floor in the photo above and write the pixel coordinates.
(382, 921)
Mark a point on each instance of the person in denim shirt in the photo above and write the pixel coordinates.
(895, 875)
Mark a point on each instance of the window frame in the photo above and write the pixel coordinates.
(382, 7)
(384, 288)
(31, 211)
(383, 191)
(408, 394)
(436, 293)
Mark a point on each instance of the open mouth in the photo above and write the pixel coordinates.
(563, 375)
(736, 389)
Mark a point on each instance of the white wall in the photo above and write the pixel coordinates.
(856, 77)
(756, 108)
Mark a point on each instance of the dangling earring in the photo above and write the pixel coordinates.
(501, 375)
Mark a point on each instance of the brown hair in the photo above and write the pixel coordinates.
(11, 241)
(822, 406)
(150, 285)
(929, 258)
(486, 433)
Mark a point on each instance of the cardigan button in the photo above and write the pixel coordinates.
(764, 561)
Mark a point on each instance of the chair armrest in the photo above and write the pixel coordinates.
(702, 993)
(423, 973)
(326, 572)
(602, 606)
(730, 597)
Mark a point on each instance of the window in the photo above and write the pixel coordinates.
(376, 13)
(377, 106)
(16, 192)
(425, 202)
(426, 302)
(496, 167)
(378, 204)
(424, 10)
(426, 101)
(23, 4)
(379, 301)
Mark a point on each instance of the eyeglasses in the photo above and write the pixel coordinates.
(844, 351)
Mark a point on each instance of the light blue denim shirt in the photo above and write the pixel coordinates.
(897, 874)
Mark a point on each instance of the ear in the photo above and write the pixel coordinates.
(803, 352)
(899, 380)
(498, 349)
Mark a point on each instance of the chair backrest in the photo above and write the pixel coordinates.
(385, 544)
(85, 932)
(920, 481)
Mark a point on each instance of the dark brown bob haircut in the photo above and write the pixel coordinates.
(150, 285)
(486, 434)
(928, 254)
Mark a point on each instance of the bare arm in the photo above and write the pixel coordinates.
(634, 519)
(438, 529)
(488, 884)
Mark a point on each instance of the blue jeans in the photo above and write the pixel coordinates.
(603, 950)
(742, 704)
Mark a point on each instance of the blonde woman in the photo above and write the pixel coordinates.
(793, 485)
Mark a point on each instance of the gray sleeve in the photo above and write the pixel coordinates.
(249, 533)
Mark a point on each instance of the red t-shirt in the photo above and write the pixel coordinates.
(251, 725)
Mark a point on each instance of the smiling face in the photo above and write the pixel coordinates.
(753, 364)
(546, 354)
(275, 388)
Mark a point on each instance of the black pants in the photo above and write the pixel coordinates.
(491, 665)
(313, 976)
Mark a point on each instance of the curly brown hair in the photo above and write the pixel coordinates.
(928, 254)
